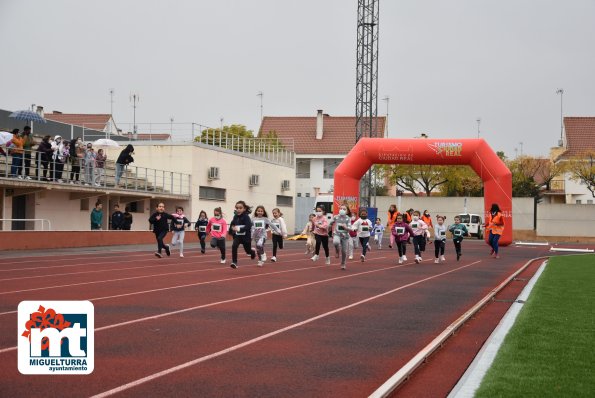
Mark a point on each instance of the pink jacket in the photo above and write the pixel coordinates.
(419, 227)
(320, 225)
(217, 228)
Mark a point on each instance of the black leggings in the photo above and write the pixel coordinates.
(201, 238)
(364, 243)
(237, 241)
(402, 247)
(457, 243)
(439, 247)
(220, 243)
(159, 236)
(418, 241)
(277, 241)
(321, 240)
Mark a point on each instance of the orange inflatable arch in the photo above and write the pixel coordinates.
(496, 177)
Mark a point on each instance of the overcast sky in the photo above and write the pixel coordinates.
(442, 63)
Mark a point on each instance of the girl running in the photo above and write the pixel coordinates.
(309, 232)
(401, 230)
(419, 235)
(160, 228)
(363, 226)
(439, 239)
(178, 224)
(260, 224)
(278, 222)
(458, 232)
(201, 228)
(241, 229)
(378, 232)
(321, 234)
(217, 228)
(342, 224)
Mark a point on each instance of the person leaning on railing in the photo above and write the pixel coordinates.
(44, 153)
(28, 143)
(16, 151)
(124, 160)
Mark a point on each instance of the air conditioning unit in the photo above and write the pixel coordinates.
(213, 173)
(285, 185)
(254, 180)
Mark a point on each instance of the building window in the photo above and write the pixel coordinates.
(302, 168)
(136, 207)
(285, 201)
(589, 202)
(329, 167)
(307, 194)
(578, 201)
(85, 204)
(299, 195)
(210, 193)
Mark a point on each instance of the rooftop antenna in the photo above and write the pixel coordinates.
(561, 92)
(478, 120)
(134, 97)
(111, 112)
(261, 95)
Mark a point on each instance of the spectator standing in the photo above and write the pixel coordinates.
(16, 151)
(97, 216)
(89, 161)
(44, 154)
(99, 167)
(28, 143)
(127, 222)
(117, 218)
(60, 154)
(123, 161)
(77, 153)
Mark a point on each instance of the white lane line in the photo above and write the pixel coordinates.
(189, 262)
(165, 372)
(234, 299)
(62, 260)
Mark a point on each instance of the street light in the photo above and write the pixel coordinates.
(478, 123)
(561, 92)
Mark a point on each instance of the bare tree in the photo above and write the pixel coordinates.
(582, 169)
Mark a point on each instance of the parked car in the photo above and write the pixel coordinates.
(474, 224)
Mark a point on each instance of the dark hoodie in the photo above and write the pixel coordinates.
(125, 157)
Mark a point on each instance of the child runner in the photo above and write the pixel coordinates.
(353, 241)
(428, 220)
(241, 229)
(458, 232)
(321, 234)
(495, 224)
(278, 222)
(392, 218)
(178, 223)
(160, 228)
(201, 228)
(378, 232)
(363, 226)
(401, 231)
(419, 235)
(439, 239)
(309, 232)
(260, 224)
(217, 228)
(342, 224)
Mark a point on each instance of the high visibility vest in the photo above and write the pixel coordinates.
(496, 223)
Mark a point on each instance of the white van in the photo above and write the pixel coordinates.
(474, 224)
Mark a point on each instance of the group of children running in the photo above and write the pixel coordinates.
(347, 232)
(243, 228)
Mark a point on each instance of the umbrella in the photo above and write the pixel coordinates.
(5, 137)
(106, 142)
(27, 115)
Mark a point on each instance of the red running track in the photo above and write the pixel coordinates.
(193, 327)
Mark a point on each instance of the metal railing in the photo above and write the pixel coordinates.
(557, 185)
(22, 222)
(32, 165)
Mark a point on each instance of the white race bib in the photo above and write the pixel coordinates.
(442, 233)
(216, 227)
(341, 227)
(414, 225)
(202, 228)
(240, 230)
(259, 224)
(365, 228)
(400, 230)
(458, 232)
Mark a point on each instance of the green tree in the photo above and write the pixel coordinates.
(412, 178)
(582, 169)
(227, 137)
(461, 181)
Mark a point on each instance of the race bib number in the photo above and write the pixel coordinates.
(400, 230)
(276, 224)
(216, 227)
(442, 233)
(458, 232)
(378, 231)
(341, 228)
(414, 225)
(202, 228)
(240, 230)
(259, 224)
(365, 228)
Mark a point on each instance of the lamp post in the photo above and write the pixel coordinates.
(134, 97)
(478, 120)
(561, 92)
(387, 100)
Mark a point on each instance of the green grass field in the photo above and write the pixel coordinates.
(550, 351)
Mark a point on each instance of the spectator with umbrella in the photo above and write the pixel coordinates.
(16, 151)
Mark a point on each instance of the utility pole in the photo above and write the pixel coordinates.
(134, 97)
(387, 100)
(171, 128)
(111, 111)
(478, 123)
(261, 95)
(561, 92)
(521, 148)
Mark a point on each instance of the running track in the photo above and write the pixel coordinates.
(193, 327)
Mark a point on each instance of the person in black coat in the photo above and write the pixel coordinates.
(159, 221)
(44, 152)
(127, 219)
(123, 160)
(240, 227)
(201, 228)
(117, 218)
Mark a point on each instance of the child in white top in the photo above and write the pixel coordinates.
(378, 231)
(419, 235)
(178, 223)
(341, 238)
(309, 232)
(439, 239)
(278, 222)
(363, 226)
(260, 224)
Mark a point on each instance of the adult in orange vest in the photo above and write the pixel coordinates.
(392, 218)
(427, 218)
(495, 225)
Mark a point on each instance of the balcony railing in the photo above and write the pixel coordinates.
(32, 166)
(557, 185)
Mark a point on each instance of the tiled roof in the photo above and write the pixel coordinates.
(91, 121)
(580, 136)
(338, 133)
